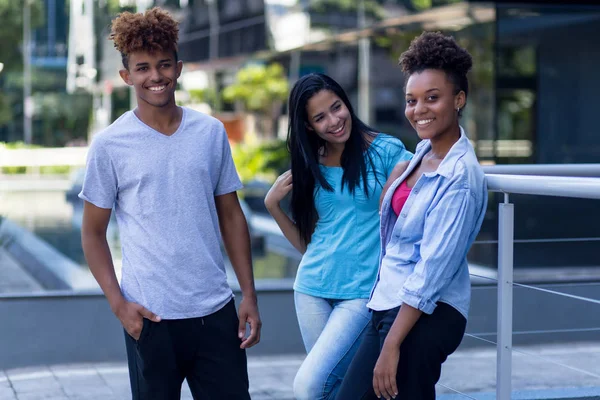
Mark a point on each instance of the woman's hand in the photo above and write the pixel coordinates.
(384, 374)
(280, 189)
(396, 173)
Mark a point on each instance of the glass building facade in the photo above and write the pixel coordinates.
(532, 94)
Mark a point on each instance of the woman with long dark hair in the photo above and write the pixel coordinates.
(430, 216)
(339, 166)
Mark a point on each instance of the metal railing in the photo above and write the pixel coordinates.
(569, 183)
(578, 170)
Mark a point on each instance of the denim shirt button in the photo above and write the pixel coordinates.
(403, 215)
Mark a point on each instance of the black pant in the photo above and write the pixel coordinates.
(204, 350)
(433, 338)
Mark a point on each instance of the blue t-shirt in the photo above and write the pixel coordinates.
(341, 260)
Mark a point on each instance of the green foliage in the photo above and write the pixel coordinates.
(47, 170)
(14, 170)
(265, 160)
(208, 96)
(258, 87)
(18, 145)
(114, 7)
(373, 8)
(6, 113)
(11, 38)
(11, 30)
(54, 170)
(271, 266)
(425, 4)
(61, 117)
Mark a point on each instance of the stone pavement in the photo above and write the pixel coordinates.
(470, 371)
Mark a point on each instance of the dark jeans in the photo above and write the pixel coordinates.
(204, 350)
(433, 338)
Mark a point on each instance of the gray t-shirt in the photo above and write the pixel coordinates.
(163, 191)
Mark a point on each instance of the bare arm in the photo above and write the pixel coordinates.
(384, 374)
(280, 189)
(99, 259)
(97, 252)
(236, 239)
(405, 320)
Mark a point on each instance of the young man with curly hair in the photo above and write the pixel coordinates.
(169, 175)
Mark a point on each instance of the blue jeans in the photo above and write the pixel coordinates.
(331, 331)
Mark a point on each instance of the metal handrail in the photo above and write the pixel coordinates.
(588, 188)
(561, 186)
(581, 170)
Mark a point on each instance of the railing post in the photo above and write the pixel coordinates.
(505, 299)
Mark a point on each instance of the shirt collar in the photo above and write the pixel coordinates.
(457, 150)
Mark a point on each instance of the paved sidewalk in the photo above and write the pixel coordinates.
(469, 371)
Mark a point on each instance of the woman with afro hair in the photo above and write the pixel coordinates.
(430, 214)
(168, 173)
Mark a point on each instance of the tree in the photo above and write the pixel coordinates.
(262, 90)
(11, 56)
(11, 30)
(373, 8)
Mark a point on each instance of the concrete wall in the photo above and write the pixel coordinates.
(68, 328)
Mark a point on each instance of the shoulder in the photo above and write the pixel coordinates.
(467, 173)
(196, 117)
(122, 126)
(209, 129)
(401, 167)
(388, 144)
(383, 139)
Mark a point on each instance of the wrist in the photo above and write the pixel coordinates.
(116, 304)
(249, 295)
(392, 342)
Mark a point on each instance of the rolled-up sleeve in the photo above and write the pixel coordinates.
(445, 243)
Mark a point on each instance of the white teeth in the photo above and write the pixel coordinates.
(338, 130)
(424, 121)
(157, 88)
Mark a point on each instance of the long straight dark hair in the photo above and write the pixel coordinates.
(304, 147)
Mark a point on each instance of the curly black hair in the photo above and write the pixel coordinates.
(153, 30)
(433, 50)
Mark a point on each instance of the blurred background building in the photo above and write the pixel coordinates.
(532, 85)
(532, 97)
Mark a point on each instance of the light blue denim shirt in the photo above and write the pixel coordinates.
(424, 250)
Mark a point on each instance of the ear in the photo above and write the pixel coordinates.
(308, 127)
(460, 100)
(126, 76)
(179, 68)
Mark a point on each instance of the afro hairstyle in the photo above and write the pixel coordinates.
(433, 50)
(153, 30)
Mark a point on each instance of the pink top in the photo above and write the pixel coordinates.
(399, 197)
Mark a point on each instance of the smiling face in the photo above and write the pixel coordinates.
(153, 76)
(431, 103)
(329, 117)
